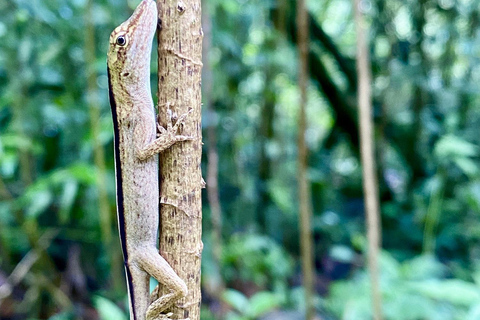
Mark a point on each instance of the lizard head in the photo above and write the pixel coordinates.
(131, 43)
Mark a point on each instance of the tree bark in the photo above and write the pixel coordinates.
(370, 182)
(179, 90)
(305, 201)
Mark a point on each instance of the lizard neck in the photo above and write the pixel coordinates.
(130, 95)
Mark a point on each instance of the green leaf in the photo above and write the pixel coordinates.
(50, 53)
(389, 266)
(39, 202)
(84, 173)
(70, 190)
(468, 166)
(62, 316)
(473, 313)
(422, 268)
(234, 316)
(18, 142)
(236, 299)
(107, 309)
(451, 146)
(453, 291)
(262, 302)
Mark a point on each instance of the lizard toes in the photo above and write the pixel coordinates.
(161, 317)
(184, 138)
(160, 129)
(182, 118)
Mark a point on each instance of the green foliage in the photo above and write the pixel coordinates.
(62, 182)
(452, 149)
(250, 308)
(426, 73)
(257, 259)
(413, 289)
(107, 309)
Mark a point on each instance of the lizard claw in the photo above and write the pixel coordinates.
(163, 316)
(184, 138)
(171, 130)
(181, 119)
(160, 130)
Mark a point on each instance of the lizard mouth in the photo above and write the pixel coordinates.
(136, 34)
(145, 16)
(143, 24)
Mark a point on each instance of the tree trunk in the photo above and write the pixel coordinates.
(179, 90)
(370, 183)
(414, 152)
(305, 201)
(264, 163)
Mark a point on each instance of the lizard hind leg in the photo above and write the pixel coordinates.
(156, 266)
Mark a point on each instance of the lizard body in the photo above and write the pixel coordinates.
(136, 162)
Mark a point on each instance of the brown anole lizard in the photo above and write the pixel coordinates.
(136, 162)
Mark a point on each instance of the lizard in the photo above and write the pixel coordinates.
(136, 146)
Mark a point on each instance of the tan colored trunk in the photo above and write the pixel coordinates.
(304, 195)
(367, 146)
(179, 89)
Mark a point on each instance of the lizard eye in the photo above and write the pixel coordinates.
(121, 40)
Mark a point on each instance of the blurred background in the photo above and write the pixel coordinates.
(59, 250)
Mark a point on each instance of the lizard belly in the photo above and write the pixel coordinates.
(141, 203)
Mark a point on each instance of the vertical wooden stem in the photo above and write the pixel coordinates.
(179, 90)
(303, 183)
(370, 182)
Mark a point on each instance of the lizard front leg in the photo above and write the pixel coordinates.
(167, 137)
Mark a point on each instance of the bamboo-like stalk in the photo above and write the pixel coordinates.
(370, 181)
(305, 201)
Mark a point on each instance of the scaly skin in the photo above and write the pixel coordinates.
(136, 162)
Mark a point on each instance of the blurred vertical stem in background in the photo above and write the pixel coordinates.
(305, 201)
(217, 286)
(5, 196)
(98, 152)
(265, 136)
(19, 102)
(370, 183)
(18, 83)
(420, 97)
(434, 210)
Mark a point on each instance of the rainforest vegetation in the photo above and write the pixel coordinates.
(60, 255)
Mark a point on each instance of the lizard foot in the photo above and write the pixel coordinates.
(162, 317)
(166, 317)
(171, 130)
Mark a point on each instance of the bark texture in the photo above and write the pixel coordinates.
(179, 90)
